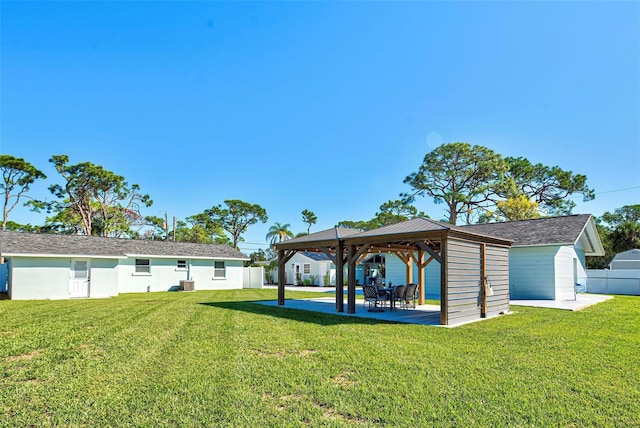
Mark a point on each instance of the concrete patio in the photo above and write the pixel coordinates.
(422, 314)
(582, 301)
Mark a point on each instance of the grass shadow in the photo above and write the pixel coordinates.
(301, 315)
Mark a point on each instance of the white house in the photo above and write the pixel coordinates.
(311, 267)
(50, 266)
(546, 260)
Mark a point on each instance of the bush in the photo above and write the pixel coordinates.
(326, 278)
(311, 280)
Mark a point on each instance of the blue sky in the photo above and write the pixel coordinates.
(325, 106)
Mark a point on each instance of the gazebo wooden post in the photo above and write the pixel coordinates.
(281, 274)
(421, 266)
(483, 275)
(351, 280)
(409, 267)
(444, 282)
(340, 277)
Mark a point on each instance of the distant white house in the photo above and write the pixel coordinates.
(314, 267)
(50, 266)
(546, 261)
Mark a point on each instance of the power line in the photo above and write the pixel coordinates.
(618, 190)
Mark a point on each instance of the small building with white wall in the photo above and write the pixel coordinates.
(312, 267)
(547, 259)
(52, 266)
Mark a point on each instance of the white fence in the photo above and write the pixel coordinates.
(605, 281)
(3, 277)
(252, 277)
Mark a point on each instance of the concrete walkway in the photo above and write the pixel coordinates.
(582, 301)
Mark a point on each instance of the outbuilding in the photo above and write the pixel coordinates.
(53, 266)
(548, 257)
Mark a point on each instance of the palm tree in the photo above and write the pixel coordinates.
(279, 232)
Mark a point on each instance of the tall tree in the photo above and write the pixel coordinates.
(309, 218)
(548, 186)
(91, 194)
(460, 175)
(391, 212)
(623, 227)
(514, 208)
(279, 232)
(236, 217)
(17, 176)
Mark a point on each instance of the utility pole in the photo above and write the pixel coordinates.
(174, 228)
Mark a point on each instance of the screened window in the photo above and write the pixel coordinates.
(143, 266)
(306, 268)
(182, 264)
(218, 270)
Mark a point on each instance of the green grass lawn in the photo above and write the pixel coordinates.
(216, 359)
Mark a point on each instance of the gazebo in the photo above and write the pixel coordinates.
(474, 268)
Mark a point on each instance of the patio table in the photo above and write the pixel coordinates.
(391, 291)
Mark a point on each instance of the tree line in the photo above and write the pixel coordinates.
(91, 200)
(474, 183)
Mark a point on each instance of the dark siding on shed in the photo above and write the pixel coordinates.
(498, 275)
(463, 273)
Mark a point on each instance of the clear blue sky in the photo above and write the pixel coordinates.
(314, 105)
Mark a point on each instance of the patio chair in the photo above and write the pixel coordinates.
(411, 295)
(399, 294)
(383, 295)
(371, 296)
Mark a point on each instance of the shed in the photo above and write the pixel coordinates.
(548, 257)
(466, 260)
(629, 259)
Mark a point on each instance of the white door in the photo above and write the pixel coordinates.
(79, 283)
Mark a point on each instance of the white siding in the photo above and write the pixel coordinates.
(39, 278)
(202, 274)
(531, 272)
(565, 264)
(396, 272)
(318, 268)
(103, 278)
(163, 275)
(166, 276)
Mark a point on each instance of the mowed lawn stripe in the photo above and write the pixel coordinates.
(217, 359)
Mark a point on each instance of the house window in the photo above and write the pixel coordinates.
(306, 268)
(182, 264)
(218, 270)
(142, 266)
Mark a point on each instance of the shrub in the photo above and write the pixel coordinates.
(326, 278)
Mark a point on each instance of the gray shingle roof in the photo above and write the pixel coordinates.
(539, 231)
(12, 243)
(318, 257)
